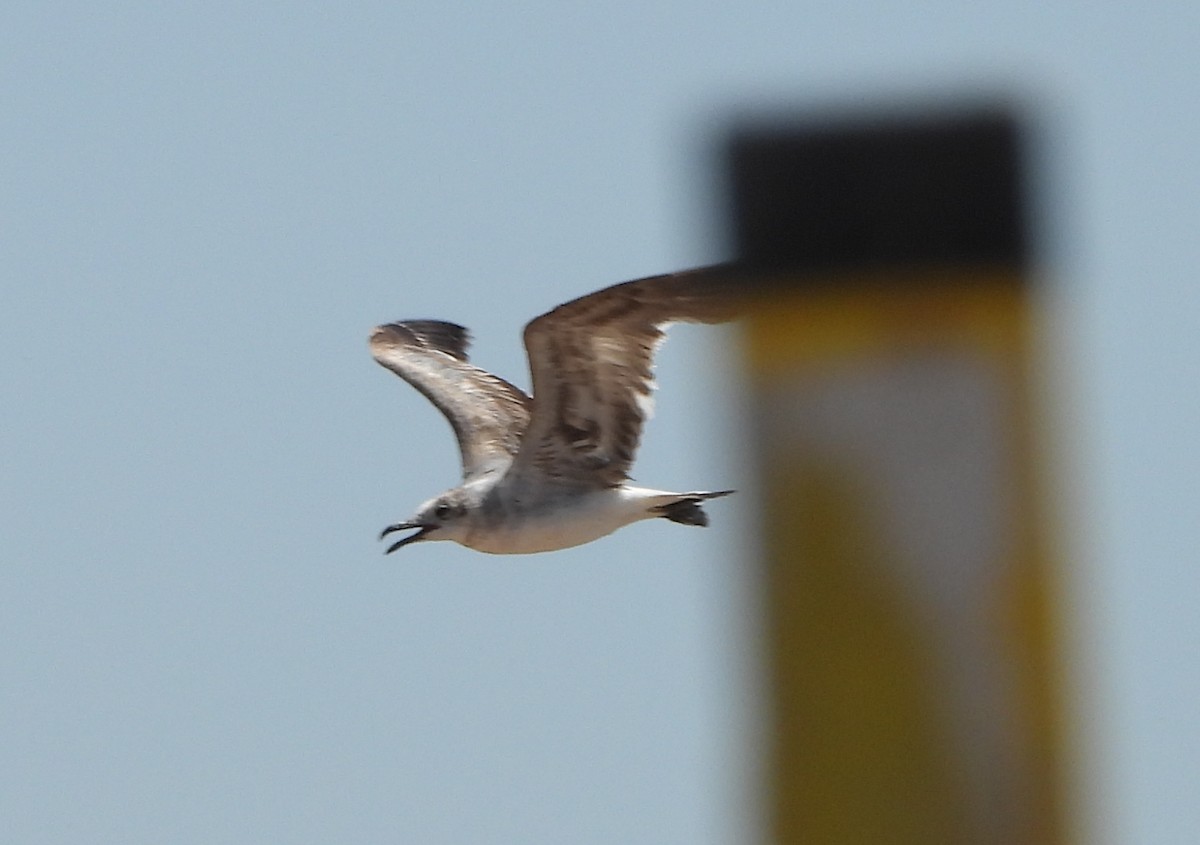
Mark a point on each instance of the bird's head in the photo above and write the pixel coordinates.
(443, 517)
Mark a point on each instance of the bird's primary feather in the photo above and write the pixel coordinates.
(488, 414)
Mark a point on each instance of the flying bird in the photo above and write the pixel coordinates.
(551, 471)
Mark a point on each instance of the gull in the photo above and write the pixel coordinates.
(551, 471)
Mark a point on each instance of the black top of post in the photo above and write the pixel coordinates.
(901, 192)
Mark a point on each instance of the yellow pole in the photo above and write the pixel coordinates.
(909, 600)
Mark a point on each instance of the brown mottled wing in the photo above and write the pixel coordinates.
(488, 414)
(591, 361)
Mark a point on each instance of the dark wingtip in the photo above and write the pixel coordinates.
(437, 335)
(450, 338)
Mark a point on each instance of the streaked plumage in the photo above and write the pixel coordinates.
(552, 471)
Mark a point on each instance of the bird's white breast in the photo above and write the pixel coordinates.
(565, 523)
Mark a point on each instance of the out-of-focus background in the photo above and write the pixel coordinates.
(206, 207)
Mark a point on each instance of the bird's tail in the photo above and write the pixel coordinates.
(686, 509)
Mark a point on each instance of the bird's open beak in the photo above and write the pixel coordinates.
(411, 538)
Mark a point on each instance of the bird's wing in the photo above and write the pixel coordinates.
(591, 360)
(488, 414)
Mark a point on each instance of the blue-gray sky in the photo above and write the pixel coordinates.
(205, 208)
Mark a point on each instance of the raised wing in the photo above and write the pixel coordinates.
(488, 414)
(591, 361)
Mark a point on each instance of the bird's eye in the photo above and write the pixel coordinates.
(442, 511)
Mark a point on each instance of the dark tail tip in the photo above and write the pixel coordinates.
(687, 510)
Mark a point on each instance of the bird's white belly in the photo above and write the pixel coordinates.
(528, 542)
(580, 522)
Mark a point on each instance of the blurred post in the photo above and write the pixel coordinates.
(909, 601)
